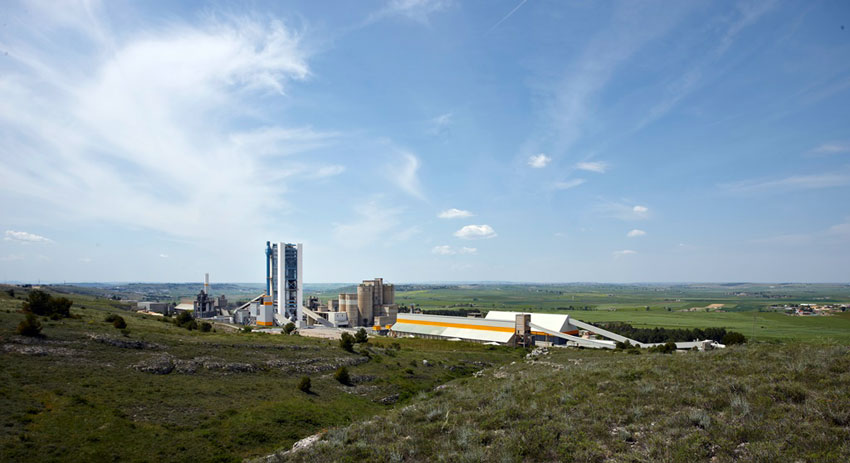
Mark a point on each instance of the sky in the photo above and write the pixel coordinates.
(426, 140)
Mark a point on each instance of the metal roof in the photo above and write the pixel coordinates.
(550, 321)
(473, 329)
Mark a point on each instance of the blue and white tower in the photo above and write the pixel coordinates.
(284, 272)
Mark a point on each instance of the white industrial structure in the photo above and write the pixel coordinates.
(284, 273)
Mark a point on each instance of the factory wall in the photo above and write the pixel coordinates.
(348, 304)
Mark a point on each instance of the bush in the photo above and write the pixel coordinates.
(119, 322)
(304, 384)
(185, 320)
(667, 348)
(289, 328)
(341, 375)
(733, 337)
(205, 327)
(41, 303)
(346, 342)
(361, 336)
(247, 329)
(29, 326)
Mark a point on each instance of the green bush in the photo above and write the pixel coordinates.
(41, 303)
(119, 322)
(247, 329)
(185, 320)
(29, 326)
(205, 327)
(346, 342)
(289, 328)
(341, 375)
(304, 384)
(733, 337)
(361, 336)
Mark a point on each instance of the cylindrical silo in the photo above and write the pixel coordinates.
(348, 304)
(364, 304)
(389, 294)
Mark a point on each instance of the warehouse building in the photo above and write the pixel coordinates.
(510, 332)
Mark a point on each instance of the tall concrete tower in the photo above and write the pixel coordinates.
(284, 273)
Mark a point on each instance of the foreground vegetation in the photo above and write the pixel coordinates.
(86, 390)
(756, 403)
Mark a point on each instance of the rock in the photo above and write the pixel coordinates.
(426, 363)
(159, 365)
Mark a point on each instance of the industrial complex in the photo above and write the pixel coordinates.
(373, 306)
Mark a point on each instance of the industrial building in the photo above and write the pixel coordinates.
(516, 328)
(284, 273)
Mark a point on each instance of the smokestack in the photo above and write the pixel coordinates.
(206, 283)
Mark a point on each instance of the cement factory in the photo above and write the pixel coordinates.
(373, 306)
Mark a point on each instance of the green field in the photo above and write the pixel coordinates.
(86, 391)
(73, 395)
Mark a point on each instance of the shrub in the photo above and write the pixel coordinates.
(247, 329)
(10, 292)
(205, 327)
(289, 328)
(111, 318)
(119, 322)
(41, 303)
(341, 375)
(304, 384)
(361, 336)
(733, 337)
(29, 326)
(185, 320)
(346, 342)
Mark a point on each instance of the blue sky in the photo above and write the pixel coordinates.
(426, 140)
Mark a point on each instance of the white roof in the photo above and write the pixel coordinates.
(473, 329)
(550, 321)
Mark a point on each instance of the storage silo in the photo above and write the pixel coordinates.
(389, 294)
(364, 304)
(348, 304)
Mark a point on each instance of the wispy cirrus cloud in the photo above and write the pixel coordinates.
(597, 166)
(403, 172)
(25, 237)
(567, 184)
(794, 182)
(831, 148)
(415, 10)
(623, 210)
(115, 139)
(635, 233)
(454, 214)
(446, 250)
(624, 252)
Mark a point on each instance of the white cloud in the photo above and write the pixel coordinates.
(116, 139)
(446, 250)
(25, 237)
(416, 10)
(539, 161)
(454, 214)
(164, 256)
(476, 231)
(831, 148)
(598, 166)
(440, 124)
(624, 252)
(403, 172)
(567, 184)
(373, 221)
(623, 210)
(86, 260)
(795, 182)
(635, 233)
(327, 171)
(12, 258)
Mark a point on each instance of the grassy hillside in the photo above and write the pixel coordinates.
(765, 402)
(85, 392)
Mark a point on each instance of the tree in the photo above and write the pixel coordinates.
(289, 328)
(29, 326)
(205, 327)
(341, 375)
(38, 302)
(361, 336)
(346, 342)
(733, 337)
(304, 384)
(119, 322)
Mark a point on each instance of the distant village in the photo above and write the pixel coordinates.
(806, 310)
